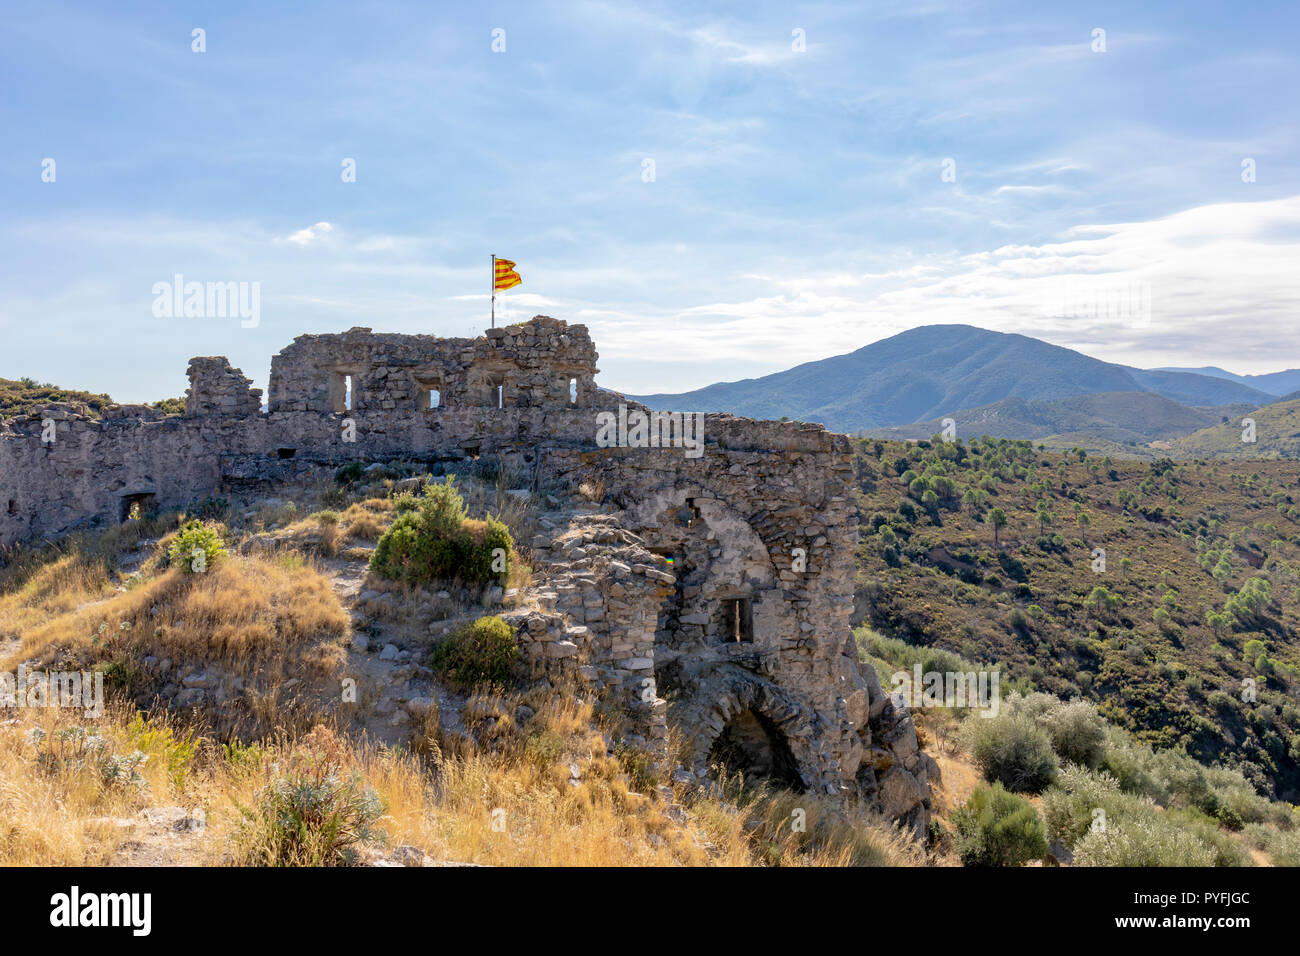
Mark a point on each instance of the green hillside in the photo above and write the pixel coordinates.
(1277, 435)
(1197, 595)
(1121, 418)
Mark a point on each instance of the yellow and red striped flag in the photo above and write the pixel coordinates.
(505, 275)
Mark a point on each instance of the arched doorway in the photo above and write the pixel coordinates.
(752, 745)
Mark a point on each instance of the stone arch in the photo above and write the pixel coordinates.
(753, 746)
(738, 711)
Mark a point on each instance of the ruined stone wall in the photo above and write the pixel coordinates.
(542, 363)
(217, 389)
(61, 470)
(94, 468)
(762, 525)
(713, 593)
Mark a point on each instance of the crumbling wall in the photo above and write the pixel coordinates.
(715, 593)
(63, 470)
(218, 389)
(544, 363)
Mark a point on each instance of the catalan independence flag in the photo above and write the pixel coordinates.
(504, 275)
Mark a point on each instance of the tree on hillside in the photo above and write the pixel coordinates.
(1044, 517)
(998, 518)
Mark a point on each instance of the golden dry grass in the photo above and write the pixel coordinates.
(246, 612)
(510, 803)
(67, 815)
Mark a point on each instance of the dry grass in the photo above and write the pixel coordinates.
(507, 799)
(38, 583)
(511, 788)
(67, 815)
(249, 613)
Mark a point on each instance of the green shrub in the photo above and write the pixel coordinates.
(481, 652)
(1013, 750)
(997, 828)
(1148, 840)
(197, 547)
(544, 748)
(1224, 850)
(311, 818)
(1283, 848)
(1077, 732)
(436, 541)
(1130, 763)
(177, 749)
(1069, 809)
(76, 750)
(350, 473)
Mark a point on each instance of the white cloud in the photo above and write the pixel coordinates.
(305, 237)
(1221, 279)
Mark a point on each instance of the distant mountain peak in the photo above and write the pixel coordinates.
(935, 370)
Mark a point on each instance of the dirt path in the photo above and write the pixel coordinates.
(161, 836)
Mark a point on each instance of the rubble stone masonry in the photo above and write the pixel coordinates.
(712, 594)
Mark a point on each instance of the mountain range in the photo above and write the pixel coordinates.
(1000, 384)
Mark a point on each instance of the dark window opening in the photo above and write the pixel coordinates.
(285, 452)
(738, 620)
(687, 514)
(135, 507)
(13, 506)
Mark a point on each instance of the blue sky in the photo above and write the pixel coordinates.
(798, 207)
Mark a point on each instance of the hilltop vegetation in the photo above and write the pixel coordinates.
(1164, 591)
(1277, 435)
(22, 397)
(26, 395)
(1106, 798)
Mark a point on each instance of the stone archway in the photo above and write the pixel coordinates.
(751, 725)
(752, 745)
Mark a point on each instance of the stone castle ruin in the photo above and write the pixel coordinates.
(712, 594)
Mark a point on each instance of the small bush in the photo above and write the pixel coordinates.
(1147, 840)
(75, 750)
(481, 652)
(350, 473)
(177, 749)
(197, 547)
(1011, 749)
(311, 818)
(997, 828)
(438, 542)
(1077, 732)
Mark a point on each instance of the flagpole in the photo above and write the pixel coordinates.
(494, 290)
